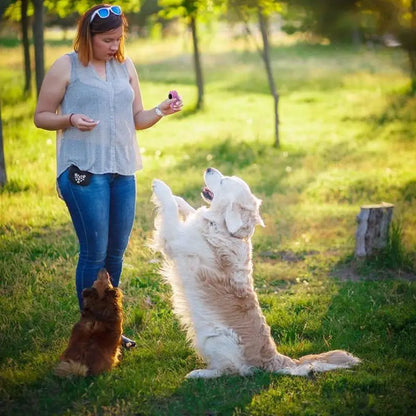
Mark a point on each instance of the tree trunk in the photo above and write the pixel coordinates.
(39, 43)
(3, 176)
(268, 66)
(25, 43)
(412, 60)
(197, 65)
(412, 51)
(373, 228)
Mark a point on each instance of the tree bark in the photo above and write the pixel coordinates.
(412, 51)
(268, 66)
(197, 64)
(3, 176)
(373, 228)
(39, 43)
(25, 43)
(412, 60)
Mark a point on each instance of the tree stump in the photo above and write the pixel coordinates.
(373, 228)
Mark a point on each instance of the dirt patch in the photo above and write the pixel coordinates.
(351, 273)
(288, 256)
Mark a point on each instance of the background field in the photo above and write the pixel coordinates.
(348, 138)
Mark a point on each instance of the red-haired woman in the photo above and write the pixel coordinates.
(91, 97)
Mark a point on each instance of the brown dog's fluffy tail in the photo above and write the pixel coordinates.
(314, 363)
(71, 368)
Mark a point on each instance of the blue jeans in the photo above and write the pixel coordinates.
(102, 214)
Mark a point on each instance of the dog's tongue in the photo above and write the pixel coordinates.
(207, 193)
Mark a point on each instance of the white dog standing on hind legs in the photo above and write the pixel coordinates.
(207, 262)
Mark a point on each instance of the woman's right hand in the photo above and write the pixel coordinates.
(83, 122)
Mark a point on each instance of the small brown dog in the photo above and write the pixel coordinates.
(95, 343)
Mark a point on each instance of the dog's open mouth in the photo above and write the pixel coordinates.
(207, 194)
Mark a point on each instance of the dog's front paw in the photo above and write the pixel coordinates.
(184, 208)
(161, 190)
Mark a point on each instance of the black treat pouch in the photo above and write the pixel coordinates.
(79, 177)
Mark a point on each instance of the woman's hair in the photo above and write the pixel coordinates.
(86, 31)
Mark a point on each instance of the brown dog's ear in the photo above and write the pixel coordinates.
(111, 293)
(89, 292)
(114, 293)
(89, 295)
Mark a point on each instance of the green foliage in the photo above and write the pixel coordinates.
(64, 8)
(396, 256)
(347, 139)
(204, 10)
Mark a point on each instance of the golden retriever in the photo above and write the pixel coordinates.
(208, 263)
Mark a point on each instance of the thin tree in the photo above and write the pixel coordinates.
(38, 40)
(197, 63)
(268, 66)
(24, 24)
(3, 176)
(409, 43)
(244, 9)
(192, 11)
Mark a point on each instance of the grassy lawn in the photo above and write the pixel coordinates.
(347, 138)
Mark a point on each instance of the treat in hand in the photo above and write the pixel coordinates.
(173, 95)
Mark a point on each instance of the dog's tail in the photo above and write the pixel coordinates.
(71, 368)
(313, 363)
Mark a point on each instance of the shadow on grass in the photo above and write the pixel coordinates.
(212, 397)
(36, 287)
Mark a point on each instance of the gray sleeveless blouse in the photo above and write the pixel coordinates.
(111, 147)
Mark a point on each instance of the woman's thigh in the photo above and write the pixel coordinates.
(89, 207)
(122, 211)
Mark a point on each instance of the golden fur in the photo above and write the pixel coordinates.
(208, 262)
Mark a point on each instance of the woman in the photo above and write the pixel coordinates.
(91, 97)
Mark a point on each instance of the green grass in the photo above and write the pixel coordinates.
(348, 138)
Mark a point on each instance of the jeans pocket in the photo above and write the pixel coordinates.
(79, 177)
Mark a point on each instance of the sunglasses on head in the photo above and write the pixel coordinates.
(104, 12)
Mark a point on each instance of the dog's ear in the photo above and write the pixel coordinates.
(113, 293)
(89, 292)
(88, 296)
(233, 219)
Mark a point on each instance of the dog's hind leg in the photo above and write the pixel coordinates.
(224, 356)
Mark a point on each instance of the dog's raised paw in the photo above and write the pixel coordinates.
(160, 189)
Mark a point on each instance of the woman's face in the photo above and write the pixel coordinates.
(105, 45)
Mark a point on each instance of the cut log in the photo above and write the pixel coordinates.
(373, 228)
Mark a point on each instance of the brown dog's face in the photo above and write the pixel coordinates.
(102, 283)
(102, 301)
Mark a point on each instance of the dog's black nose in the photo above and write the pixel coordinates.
(209, 170)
